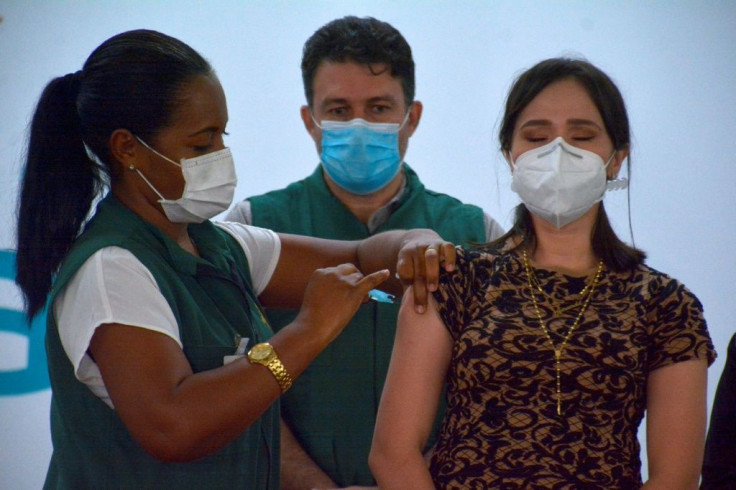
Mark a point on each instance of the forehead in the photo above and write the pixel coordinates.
(355, 82)
(201, 103)
(561, 101)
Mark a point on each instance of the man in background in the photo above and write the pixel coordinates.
(719, 462)
(358, 76)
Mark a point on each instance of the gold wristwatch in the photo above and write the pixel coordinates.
(264, 354)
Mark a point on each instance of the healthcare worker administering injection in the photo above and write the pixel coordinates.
(164, 371)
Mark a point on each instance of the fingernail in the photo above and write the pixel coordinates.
(420, 309)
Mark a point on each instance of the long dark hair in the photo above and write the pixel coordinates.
(607, 98)
(130, 81)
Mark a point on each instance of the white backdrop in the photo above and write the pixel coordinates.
(674, 61)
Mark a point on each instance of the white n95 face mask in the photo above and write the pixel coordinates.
(209, 186)
(559, 182)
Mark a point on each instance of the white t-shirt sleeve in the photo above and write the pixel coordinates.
(493, 229)
(262, 247)
(112, 286)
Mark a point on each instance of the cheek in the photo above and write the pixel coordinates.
(170, 182)
(507, 157)
(516, 151)
(403, 141)
(519, 146)
(316, 135)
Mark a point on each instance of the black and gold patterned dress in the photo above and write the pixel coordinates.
(502, 428)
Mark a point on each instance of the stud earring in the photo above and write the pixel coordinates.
(131, 167)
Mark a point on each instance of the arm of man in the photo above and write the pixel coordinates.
(676, 418)
(298, 470)
(410, 397)
(719, 463)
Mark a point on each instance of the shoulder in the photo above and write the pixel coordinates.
(658, 286)
(471, 266)
(240, 213)
(450, 200)
(262, 249)
(248, 236)
(108, 271)
(292, 190)
(675, 318)
(281, 209)
(416, 185)
(114, 258)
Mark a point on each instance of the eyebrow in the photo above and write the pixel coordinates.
(372, 100)
(211, 130)
(569, 122)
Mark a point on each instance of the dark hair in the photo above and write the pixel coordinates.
(607, 98)
(362, 40)
(132, 81)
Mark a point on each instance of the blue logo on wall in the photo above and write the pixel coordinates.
(35, 376)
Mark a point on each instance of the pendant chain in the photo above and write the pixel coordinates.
(585, 296)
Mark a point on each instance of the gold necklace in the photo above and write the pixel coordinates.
(585, 302)
(557, 310)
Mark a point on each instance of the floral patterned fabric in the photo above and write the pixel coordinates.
(502, 429)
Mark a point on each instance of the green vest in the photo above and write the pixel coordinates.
(332, 406)
(213, 302)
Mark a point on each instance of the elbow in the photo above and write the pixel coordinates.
(174, 443)
(167, 449)
(674, 481)
(385, 466)
(377, 463)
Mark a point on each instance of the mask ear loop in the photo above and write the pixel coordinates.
(133, 167)
(311, 114)
(406, 117)
(618, 183)
(157, 153)
(162, 198)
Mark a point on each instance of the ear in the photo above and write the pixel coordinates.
(615, 166)
(124, 148)
(415, 114)
(309, 123)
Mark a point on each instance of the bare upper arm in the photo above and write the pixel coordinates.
(141, 377)
(676, 420)
(419, 362)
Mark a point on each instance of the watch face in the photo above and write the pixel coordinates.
(261, 351)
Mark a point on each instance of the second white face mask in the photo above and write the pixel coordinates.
(559, 182)
(209, 186)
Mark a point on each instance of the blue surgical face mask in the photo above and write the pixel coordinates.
(359, 156)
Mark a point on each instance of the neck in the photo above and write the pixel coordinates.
(363, 206)
(153, 214)
(568, 250)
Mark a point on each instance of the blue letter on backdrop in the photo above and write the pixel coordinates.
(33, 377)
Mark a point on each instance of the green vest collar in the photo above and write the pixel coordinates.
(112, 215)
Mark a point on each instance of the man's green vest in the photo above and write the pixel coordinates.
(332, 406)
(213, 302)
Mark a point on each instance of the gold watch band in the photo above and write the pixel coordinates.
(280, 373)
